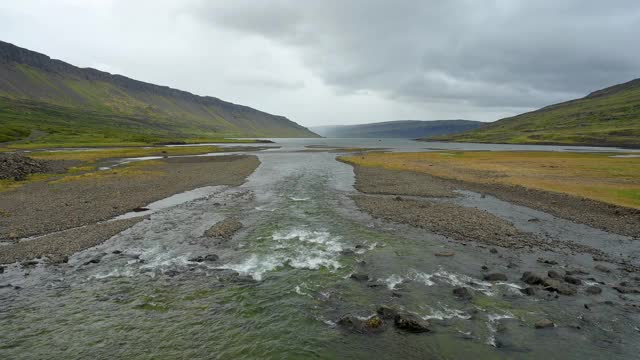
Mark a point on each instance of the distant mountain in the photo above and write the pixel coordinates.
(68, 103)
(608, 117)
(408, 129)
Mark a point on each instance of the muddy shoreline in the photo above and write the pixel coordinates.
(69, 216)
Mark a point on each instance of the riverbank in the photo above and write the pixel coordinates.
(64, 203)
(593, 189)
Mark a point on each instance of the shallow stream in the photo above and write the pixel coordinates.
(281, 284)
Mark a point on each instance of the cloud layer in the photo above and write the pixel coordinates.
(331, 62)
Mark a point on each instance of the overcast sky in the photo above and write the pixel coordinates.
(346, 62)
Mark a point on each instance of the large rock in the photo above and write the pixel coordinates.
(370, 325)
(359, 277)
(559, 287)
(209, 257)
(554, 274)
(18, 167)
(411, 323)
(593, 290)
(495, 277)
(602, 268)
(463, 293)
(387, 312)
(544, 323)
(224, 229)
(531, 278)
(627, 289)
(529, 291)
(572, 280)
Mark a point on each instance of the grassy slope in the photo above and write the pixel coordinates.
(609, 117)
(75, 111)
(594, 176)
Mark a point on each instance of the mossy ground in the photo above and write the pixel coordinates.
(596, 176)
(87, 169)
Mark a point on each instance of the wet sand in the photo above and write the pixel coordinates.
(42, 208)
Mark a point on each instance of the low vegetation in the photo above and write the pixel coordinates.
(609, 117)
(597, 176)
(113, 153)
(87, 168)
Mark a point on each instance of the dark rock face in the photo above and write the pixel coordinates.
(547, 261)
(18, 167)
(370, 325)
(359, 277)
(411, 323)
(554, 274)
(593, 290)
(627, 289)
(602, 268)
(559, 287)
(572, 280)
(445, 254)
(532, 279)
(495, 277)
(463, 293)
(210, 257)
(576, 272)
(224, 229)
(387, 312)
(544, 323)
(529, 291)
(404, 321)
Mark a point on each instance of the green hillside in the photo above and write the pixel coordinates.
(608, 117)
(65, 104)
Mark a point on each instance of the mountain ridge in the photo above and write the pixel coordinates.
(605, 117)
(156, 110)
(397, 128)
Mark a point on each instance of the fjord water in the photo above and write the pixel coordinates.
(281, 284)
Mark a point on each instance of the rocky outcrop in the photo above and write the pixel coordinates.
(18, 167)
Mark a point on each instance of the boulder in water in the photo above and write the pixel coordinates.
(554, 274)
(544, 323)
(359, 277)
(495, 277)
(371, 325)
(411, 323)
(593, 290)
(532, 279)
(463, 293)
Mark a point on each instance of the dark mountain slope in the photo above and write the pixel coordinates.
(37, 92)
(408, 129)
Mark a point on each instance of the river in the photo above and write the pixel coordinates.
(282, 283)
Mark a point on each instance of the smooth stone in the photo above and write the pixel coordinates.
(544, 323)
(495, 277)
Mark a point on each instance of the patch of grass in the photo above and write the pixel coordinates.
(596, 176)
(100, 154)
(10, 184)
(119, 171)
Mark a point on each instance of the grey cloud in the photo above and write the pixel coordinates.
(481, 53)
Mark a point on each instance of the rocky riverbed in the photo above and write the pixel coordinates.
(70, 215)
(297, 263)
